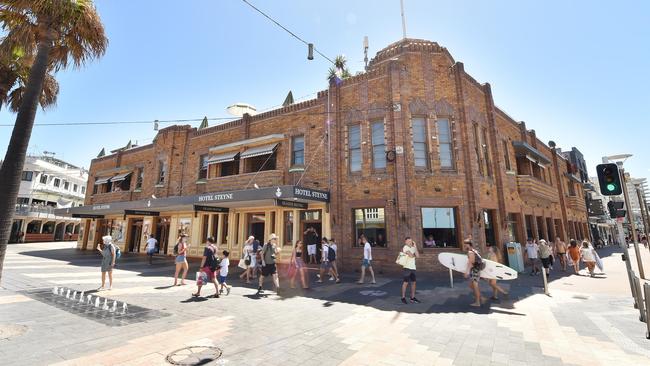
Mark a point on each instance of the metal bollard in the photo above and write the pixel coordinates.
(646, 289)
(631, 277)
(639, 299)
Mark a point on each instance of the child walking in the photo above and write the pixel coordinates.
(223, 273)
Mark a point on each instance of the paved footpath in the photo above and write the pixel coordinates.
(585, 321)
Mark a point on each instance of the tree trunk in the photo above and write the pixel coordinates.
(12, 167)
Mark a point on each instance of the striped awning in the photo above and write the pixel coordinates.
(223, 158)
(120, 177)
(102, 180)
(259, 150)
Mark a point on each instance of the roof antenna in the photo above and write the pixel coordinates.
(365, 51)
(401, 3)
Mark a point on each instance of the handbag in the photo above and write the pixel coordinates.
(247, 260)
(401, 259)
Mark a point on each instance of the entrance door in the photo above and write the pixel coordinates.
(255, 225)
(312, 219)
(59, 231)
(162, 233)
(135, 233)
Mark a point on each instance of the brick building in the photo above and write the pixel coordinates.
(418, 148)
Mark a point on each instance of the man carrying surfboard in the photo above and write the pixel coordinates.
(473, 271)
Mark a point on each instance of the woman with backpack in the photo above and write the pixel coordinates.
(107, 249)
(474, 266)
(495, 256)
(180, 249)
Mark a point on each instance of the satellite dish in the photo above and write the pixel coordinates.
(238, 109)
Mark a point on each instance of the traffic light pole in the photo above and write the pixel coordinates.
(644, 214)
(632, 225)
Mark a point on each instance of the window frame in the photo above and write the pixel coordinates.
(203, 167)
(424, 142)
(56, 182)
(506, 155)
(162, 173)
(457, 228)
(450, 143)
(139, 178)
(477, 148)
(355, 150)
(355, 230)
(294, 151)
(43, 177)
(381, 144)
(27, 176)
(486, 152)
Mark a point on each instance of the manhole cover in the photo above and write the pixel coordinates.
(194, 355)
(11, 330)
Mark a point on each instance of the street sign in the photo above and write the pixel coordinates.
(211, 209)
(292, 204)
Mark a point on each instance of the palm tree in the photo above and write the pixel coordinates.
(55, 33)
(13, 81)
(339, 70)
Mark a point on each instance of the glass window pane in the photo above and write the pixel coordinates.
(419, 130)
(439, 227)
(371, 223)
(445, 156)
(379, 157)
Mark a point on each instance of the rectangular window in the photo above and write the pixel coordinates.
(22, 200)
(288, 227)
(354, 147)
(75, 188)
(203, 166)
(57, 182)
(260, 163)
(420, 142)
(162, 172)
(506, 155)
(66, 186)
(229, 168)
(445, 144)
(83, 190)
(371, 223)
(439, 227)
(27, 176)
(139, 177)
(486, 154)
(512, 223)
(298, 150)
(205, 222)
(378, 145)
(477, 149)
(43, 179)
(224, 229)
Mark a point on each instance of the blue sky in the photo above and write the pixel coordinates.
(575, 71)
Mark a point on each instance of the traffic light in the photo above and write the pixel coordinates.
(609, 179)
(615, 209)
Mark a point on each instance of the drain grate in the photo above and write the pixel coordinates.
(194, 355)
(134, 314)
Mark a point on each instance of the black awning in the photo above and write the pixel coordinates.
(259, 150)
(223, 158)
(120, 177)
(102, 180)
(523, 149)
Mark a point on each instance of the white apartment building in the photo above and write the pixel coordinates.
(48, 183)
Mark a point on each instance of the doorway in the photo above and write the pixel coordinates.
(162, 233)
(312, 219)
(58, 231)
(16, 228)
(255, 225)
(135, 233)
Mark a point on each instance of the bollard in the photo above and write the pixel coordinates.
(451, 278)
(633, 287)
(639, 299)
(545, 281)
(646, 289)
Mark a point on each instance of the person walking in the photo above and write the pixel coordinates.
(223, 272)
(311, 238)
(334, 271)
(299, 265)
(256, 258)
(269, 251)
(180, 249)
(473, 271)
(366, 262)
(325, 264)
(545, 255)
(411, 252)
(151, 247)
(495, 256)
(532, 250)
(108, 261)
(208, 269)
(587, 256)
(574, 255)
(247, 259)
(559, 248)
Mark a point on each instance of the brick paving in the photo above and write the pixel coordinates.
(585, 321)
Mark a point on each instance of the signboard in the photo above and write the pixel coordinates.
(291, 204)
(141, 213)
(88, 216)
(311, 194)
(216, 197)
(211, 209)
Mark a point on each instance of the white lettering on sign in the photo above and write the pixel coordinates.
(310, 193)
(101, 207)
(215, 197)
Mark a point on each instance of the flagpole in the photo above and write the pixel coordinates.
(401, 3)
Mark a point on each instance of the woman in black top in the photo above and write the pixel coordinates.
(298, 263)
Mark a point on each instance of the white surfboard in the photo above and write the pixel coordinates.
(492, 271)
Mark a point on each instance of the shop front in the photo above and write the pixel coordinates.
(229, 216)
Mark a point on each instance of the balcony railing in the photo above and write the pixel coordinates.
(265, 178)
(576, 203)
(532, 187)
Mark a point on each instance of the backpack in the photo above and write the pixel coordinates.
(212, 261)
(118, 252)
(331, 254)
(479, 263)
(176, 248)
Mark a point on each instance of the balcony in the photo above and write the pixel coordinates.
(531, 187)
(576, 203)
(111, 197)
(35, 211)
(265, 178)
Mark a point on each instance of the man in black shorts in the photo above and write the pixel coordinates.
(269, 252)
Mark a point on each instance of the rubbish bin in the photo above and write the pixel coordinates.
(515, 256)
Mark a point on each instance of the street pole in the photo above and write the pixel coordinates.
(632, 225)
(644, 214)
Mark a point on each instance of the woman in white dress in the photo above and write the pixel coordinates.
(248, 258)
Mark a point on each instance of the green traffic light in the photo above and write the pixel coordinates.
(611, 187)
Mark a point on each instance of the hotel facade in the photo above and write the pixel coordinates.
(413, 147)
